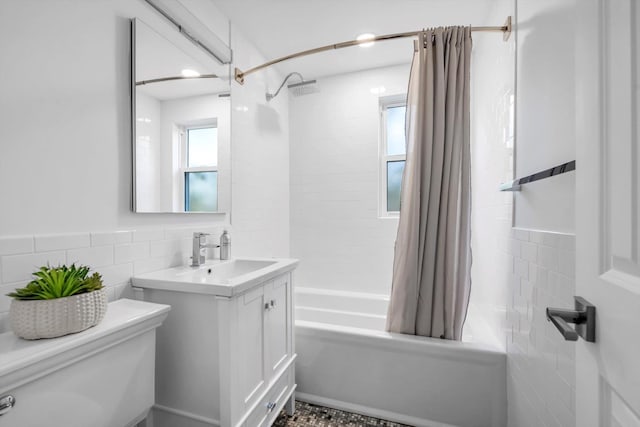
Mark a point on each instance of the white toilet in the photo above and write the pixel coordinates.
(101, 377)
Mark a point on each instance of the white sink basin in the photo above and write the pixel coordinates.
(225, 278)
(225, 271)
(239, 267)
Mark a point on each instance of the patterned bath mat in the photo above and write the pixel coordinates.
(312, 415)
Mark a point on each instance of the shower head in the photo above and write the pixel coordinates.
(303, 87)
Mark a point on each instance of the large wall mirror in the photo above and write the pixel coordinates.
(181, 124)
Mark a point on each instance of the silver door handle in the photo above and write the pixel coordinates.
(584, 317)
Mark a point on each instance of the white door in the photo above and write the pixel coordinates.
(252, 378)
(608, 210)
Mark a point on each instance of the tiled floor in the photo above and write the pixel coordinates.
(311, 415)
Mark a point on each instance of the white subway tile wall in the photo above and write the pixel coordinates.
(116, 255)
(541, 365)
(54, 242)
(334, 184)
(103, 238)
(16, 268)
(16, 245)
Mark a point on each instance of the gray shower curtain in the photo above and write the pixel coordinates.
(432, 262)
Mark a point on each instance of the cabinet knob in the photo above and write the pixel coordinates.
(273, 303)
(271, 406)
(6, 403)
(267, 307)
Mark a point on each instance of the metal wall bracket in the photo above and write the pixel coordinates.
(507, 32)
(510, 186)
(584, 317)
(238, 75)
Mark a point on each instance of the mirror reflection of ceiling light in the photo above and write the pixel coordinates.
(363, 39)
(242, 108)
(143, 119)
(187, 72)
(377, 90)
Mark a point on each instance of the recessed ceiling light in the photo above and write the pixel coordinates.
(190, 73)
(377, 90)
(363, 39)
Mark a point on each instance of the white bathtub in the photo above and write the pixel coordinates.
(347, 361)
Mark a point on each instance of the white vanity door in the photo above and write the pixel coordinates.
(278, 325)
(260, 347)
(251, 345)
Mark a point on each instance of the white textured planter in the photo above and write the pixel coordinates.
(56, 317)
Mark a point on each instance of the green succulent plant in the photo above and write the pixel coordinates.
(59, 282)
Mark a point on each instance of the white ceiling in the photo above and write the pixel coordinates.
(281, 27)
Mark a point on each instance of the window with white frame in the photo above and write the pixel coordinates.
(200, 168)
(392, 153)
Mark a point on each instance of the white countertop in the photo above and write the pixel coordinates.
(17, 354)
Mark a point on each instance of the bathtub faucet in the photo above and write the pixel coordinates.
(200, 243)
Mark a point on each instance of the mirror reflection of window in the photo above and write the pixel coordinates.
(201, 169)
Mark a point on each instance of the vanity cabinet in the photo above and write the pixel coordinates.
(224, 360)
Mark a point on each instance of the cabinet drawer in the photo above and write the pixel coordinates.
(272, 403)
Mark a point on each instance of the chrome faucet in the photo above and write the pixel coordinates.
(200, 243)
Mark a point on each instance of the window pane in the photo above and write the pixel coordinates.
(202, 147)
(201, 191)
(394, 183)
(395, 130)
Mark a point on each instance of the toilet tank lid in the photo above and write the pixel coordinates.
(124, 317)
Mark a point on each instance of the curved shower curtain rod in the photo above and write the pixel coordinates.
(240, 75)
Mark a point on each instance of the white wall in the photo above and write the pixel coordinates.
(65, 148)
(260, 159)
(65, 152)
(545, 108)
(492, 140)
(335, 228)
